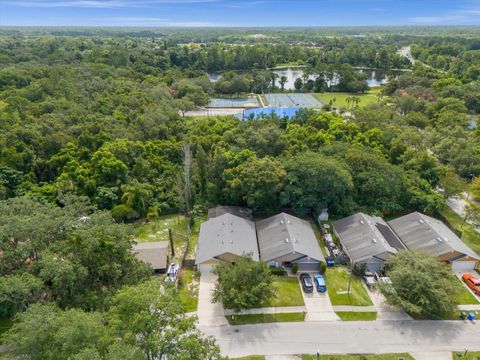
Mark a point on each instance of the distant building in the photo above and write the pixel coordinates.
(153, 253)
(367, 240)
(234, 210)
(420, 232)
(284, 240)
(224, 238)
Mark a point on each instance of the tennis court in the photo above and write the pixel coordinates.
(233, 103)
(292, 100)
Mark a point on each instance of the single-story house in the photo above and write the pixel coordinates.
(234, 210)
(284, 239)
(420, 232)
(367, 240)
(153, 253)
(224, 238)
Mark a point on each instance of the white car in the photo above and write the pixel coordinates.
(172, 273)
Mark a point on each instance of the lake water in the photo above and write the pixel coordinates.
(374, 77)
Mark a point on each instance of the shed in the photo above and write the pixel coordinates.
(420, 232)
(153, 253)
(367, 240)
(224, 238)
(284, 239)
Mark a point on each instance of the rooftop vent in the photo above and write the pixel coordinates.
(374, 240)
(362, 222)
(421, 221)
(289, 222)
(295, 240)
(286, 240)
(281, 222)
(439, 239)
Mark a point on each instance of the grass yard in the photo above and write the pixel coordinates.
(337, 285)
(264, 318)
(188, 289)
(454, 315)
(470, 355)
(339, 99)
(404, 356)
(288, 292)
(356, 316)
(464, 297)
(469, 235)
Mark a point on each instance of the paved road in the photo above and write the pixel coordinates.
(346, 337)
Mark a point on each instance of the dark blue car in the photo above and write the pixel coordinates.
(320, 283)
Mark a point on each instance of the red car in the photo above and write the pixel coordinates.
(472, 282)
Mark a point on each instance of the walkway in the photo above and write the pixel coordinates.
(346, 337)
(209, 314)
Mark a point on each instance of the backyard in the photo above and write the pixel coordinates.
(288, 292)
(469, 235)
(337, 286)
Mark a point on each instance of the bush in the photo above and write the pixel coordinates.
(323, 268)
(278, 271)
(294, 268)
(122, 213)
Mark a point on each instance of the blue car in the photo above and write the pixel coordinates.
(320, 283)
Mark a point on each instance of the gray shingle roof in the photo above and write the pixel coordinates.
(364, 236)
(420, 232)
(243, 212)
(283, 234)
(153, 253)
(226, 234)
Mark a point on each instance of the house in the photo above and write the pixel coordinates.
(284, 240)
(367, 240)
(423, 233)
(224, 238)
(234, 210)
(153, 253)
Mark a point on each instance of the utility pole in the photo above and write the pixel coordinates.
(170, 237)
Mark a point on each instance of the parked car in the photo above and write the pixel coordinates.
(369, 279)
(382, 278)
(306, 281)
(320, 283)
(472, 282)
(172, 273)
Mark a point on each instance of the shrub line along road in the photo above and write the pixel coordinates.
(332, 337)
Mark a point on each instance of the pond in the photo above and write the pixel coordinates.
(375, 77)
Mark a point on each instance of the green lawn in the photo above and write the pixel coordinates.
(264, 318)
(339, 98)
(188, 289)
(356, 316)
(469, 235)
(464, 297)
(337, 285)
(454, 315)
(289, 292)
(470, 355)
(360, 357)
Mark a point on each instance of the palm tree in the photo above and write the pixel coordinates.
(273, 78)
(283, 81)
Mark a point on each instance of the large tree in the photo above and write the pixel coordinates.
(245, 284)
(421, 284)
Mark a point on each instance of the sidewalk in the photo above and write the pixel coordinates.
(348, 308)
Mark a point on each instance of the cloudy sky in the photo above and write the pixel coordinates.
(153, 13)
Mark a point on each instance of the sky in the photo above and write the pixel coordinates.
(207, 13)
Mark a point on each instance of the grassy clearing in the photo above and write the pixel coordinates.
(339, 99)
(356, 316)
(404, 356)
(337, 285)
(288, 292)
(470, 356)
(188, 289)
(264, 318)
(5, 325)
(469, 235)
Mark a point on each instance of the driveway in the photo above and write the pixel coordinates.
(346, 337)
(474, 273)
(209, 314)
(318, 306)
(384, 310)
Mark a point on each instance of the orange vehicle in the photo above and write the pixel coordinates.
(472, 282)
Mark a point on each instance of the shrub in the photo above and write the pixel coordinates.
(278, 271)
(294, 268)
(122, 213)
(323, 268)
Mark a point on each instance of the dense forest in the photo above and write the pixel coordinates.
(92, 136)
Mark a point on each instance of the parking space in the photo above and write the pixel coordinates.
(318, 305)
(384, 310)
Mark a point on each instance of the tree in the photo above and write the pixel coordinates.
(184, 105)
(298, 84)
(17, 292)
(450, 182)
(422, 285)
(283, 80)
(245, 284)
(475, 188)
(472, 215)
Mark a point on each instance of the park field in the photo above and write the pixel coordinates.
(339, 99)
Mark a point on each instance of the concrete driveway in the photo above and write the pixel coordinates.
(318, 305)
(209, 314)
(386, 311)
(474, 273)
